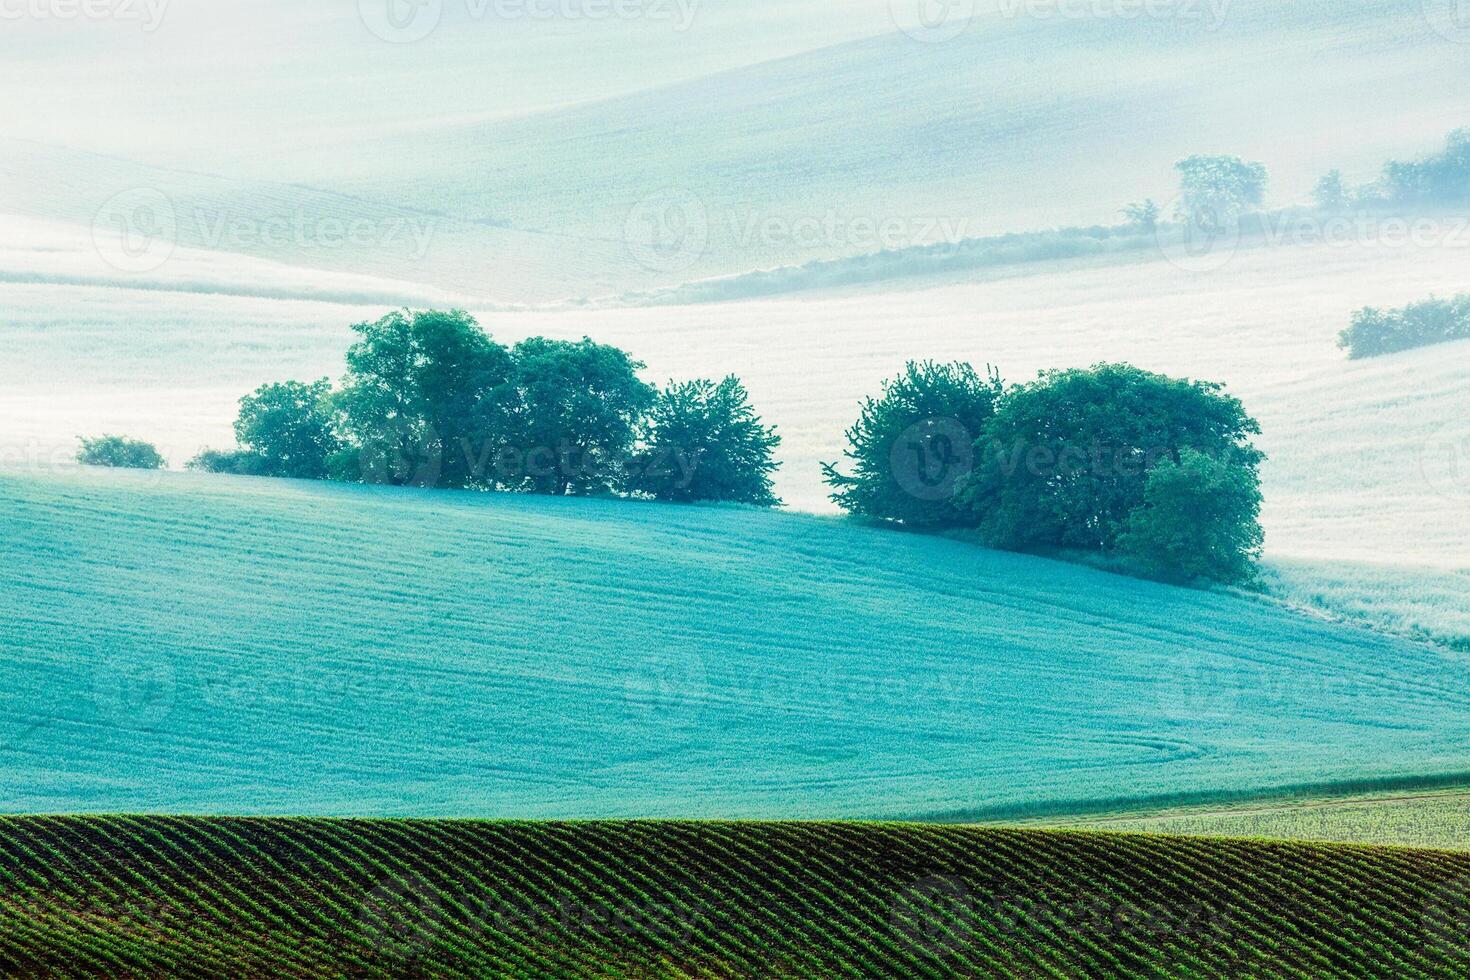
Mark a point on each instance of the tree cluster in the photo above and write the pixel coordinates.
(1441, 178)
(430, 400)
(1155, 472)
(1434, 321)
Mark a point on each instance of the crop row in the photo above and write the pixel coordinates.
(148, 896)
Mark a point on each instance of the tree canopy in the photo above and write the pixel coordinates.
(913, 445)
(704, 441)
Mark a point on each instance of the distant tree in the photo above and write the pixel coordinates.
(1443, 178)
(238, 462)
(118, 451)
(704, 442)
(1143, 215)
(1065, 460)
(1332, 192)
(577, 408)
(1200, 518)
(289, 429)
(426, 401)
(911, 448)
(1216, 191)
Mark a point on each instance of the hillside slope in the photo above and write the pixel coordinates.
(178, 643)
(215, 898)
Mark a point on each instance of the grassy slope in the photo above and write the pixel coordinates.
(1431, 818)
(230, 897)
(191, 644)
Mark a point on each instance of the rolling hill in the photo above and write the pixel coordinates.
(189, 644)
(113, 896)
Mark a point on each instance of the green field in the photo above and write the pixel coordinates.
(149, 896)
(1437, 818)
(178, 643)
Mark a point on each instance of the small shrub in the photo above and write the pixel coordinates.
(1142, 215)
(119, 452)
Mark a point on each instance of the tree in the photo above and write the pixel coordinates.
(1143, 216)
(1064, 461)
(577, 407)
(426, 401)
(703, 441)
(289, 429)
(912, 447)
(121, 452)
(1200, 518)
(1332, 192)
(1216, 191)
